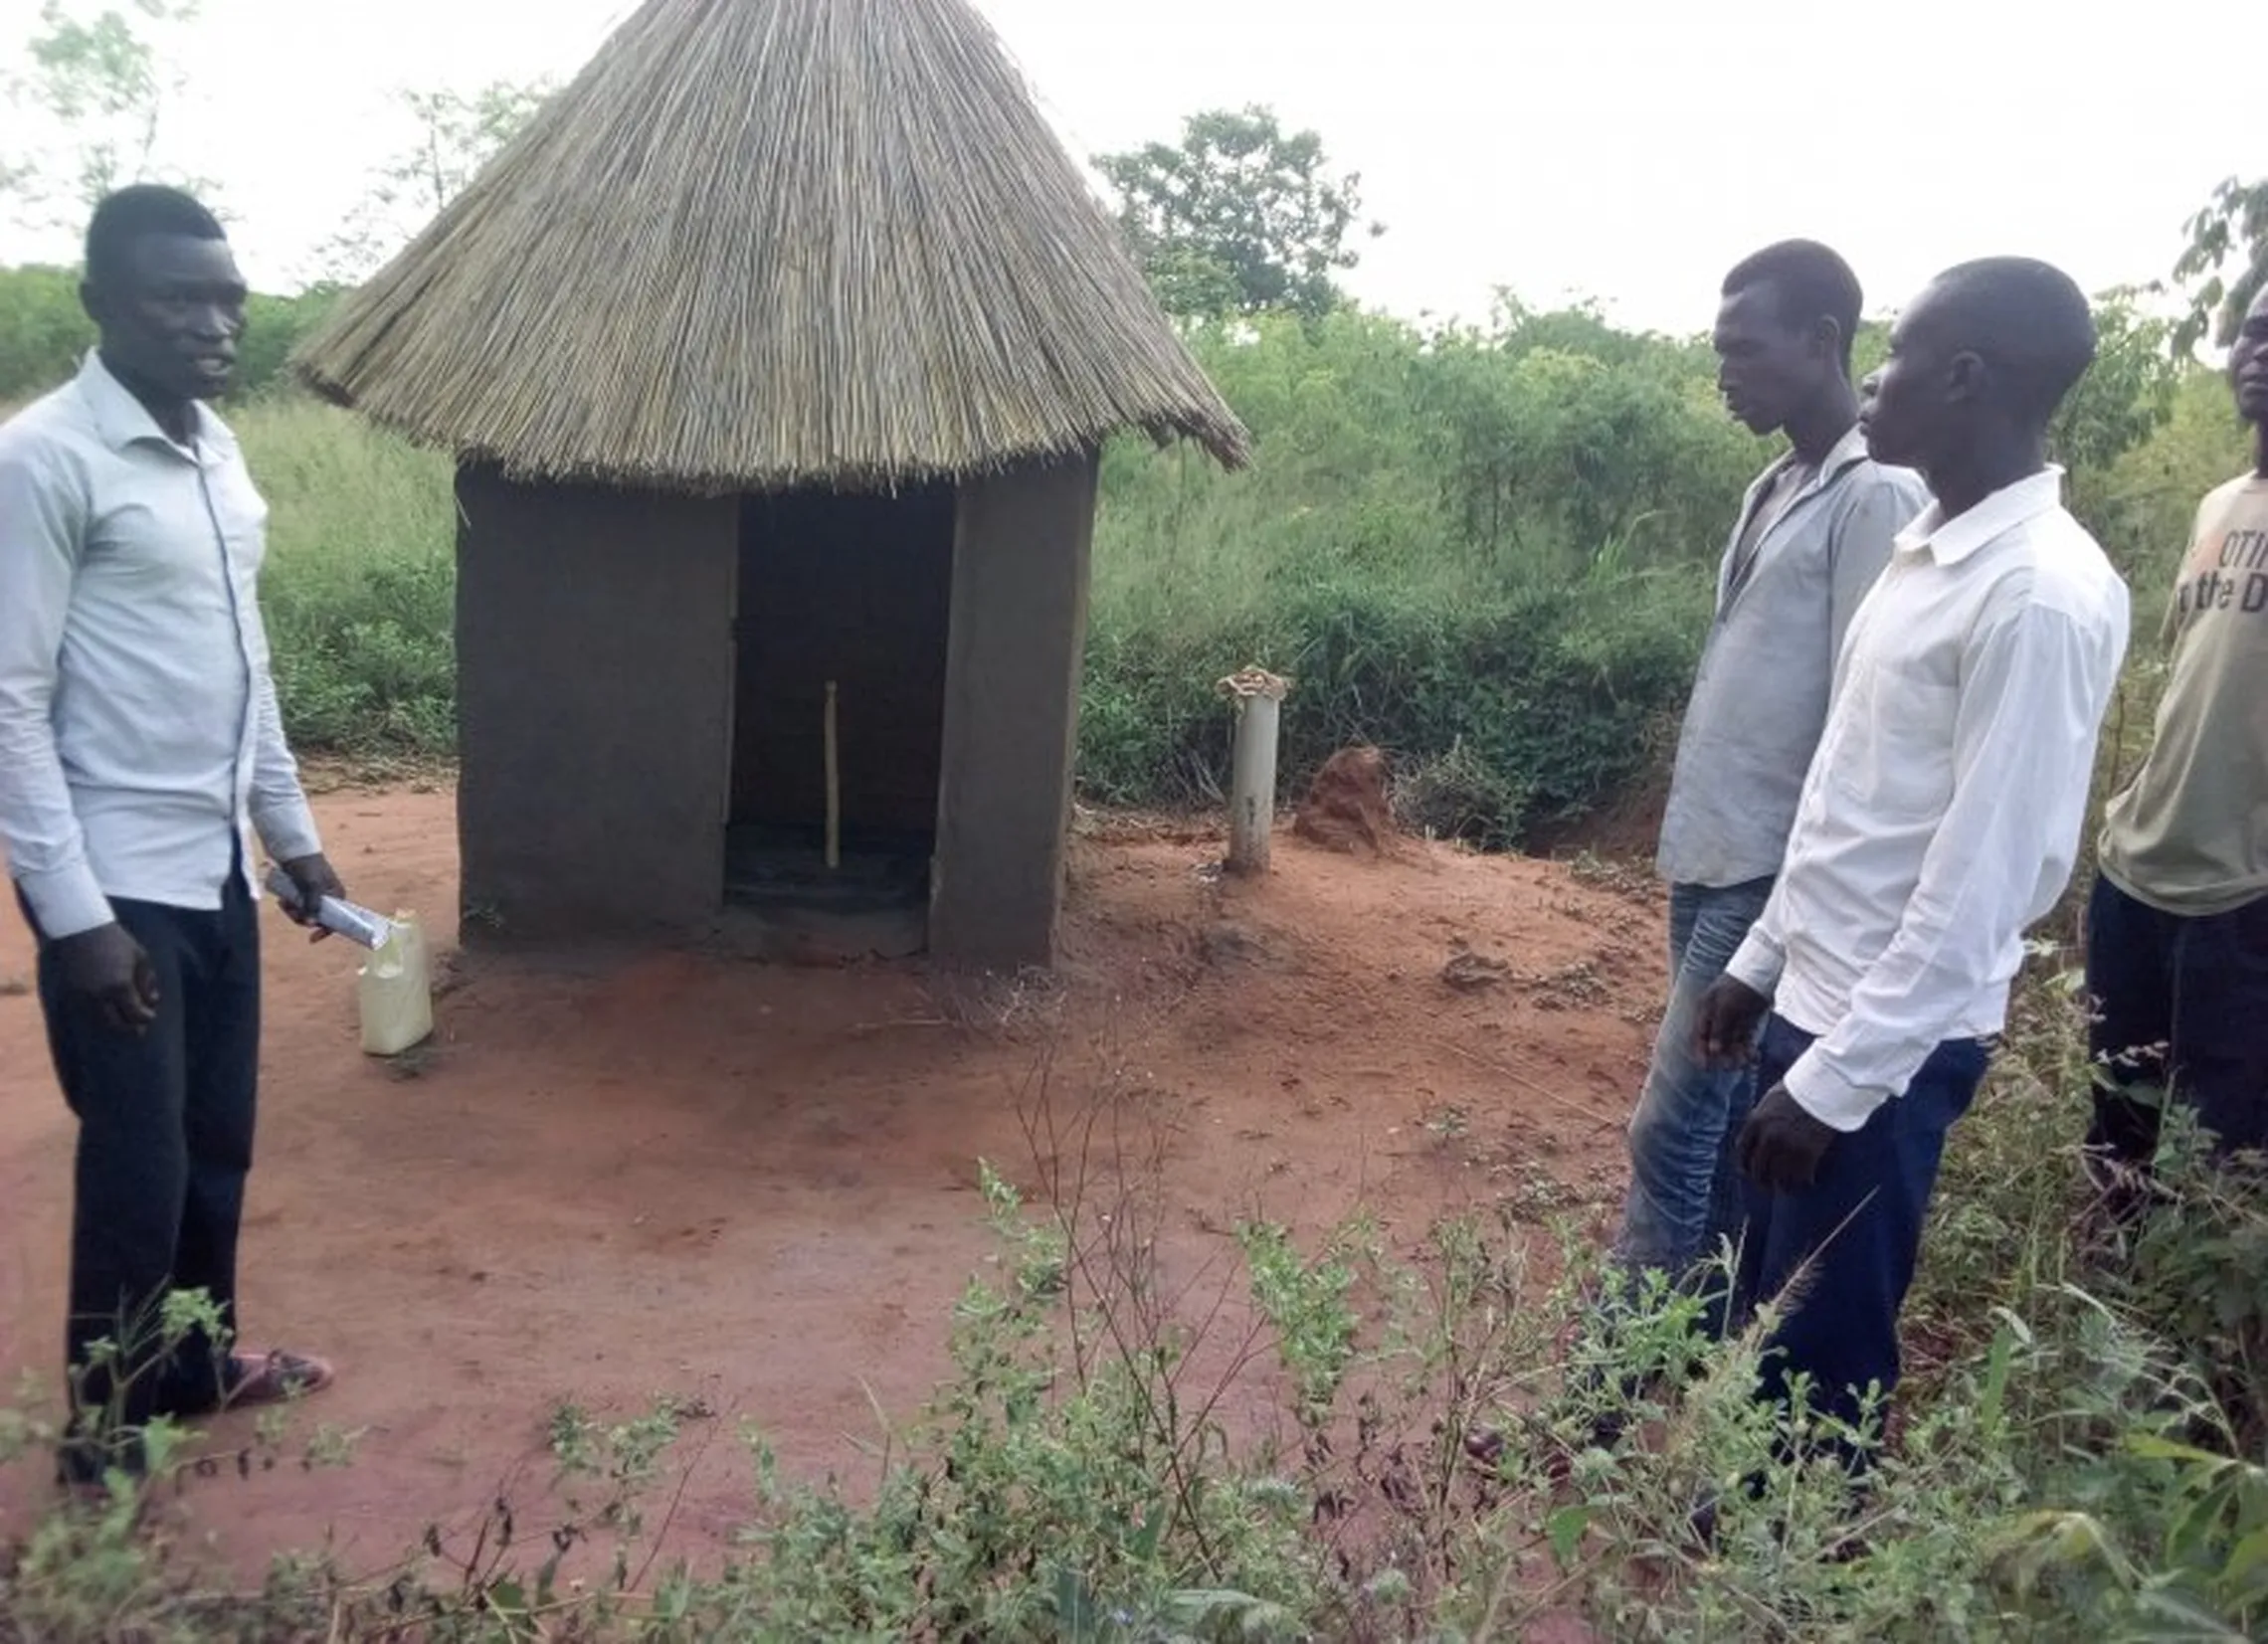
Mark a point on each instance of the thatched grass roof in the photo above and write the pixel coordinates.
(761, 242)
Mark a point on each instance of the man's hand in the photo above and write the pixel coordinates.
(314, 878)
(1725, 1024)
(107, 967)
(1781, 1146)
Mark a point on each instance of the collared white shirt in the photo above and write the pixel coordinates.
(1942, 814)
(1760, 697)
(139, 733)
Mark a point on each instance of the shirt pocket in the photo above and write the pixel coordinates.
(1894, 759)
(241, 513)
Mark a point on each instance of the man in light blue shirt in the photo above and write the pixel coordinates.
(140, 747)
(1813, 536)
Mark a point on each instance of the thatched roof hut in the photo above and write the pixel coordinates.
(771, 243)
(776, 354)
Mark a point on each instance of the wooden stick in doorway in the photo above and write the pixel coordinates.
(833, 789)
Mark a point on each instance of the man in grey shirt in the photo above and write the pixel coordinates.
(140, 750)
(1813, 536)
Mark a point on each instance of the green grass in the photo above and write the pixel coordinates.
(359, 588)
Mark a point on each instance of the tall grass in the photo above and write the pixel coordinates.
(359, 589)
(1487, 553)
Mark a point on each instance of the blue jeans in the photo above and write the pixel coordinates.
(1684, 1199)
(1849, 1240)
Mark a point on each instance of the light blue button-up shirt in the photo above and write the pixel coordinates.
(139, 733)
(1760, 699)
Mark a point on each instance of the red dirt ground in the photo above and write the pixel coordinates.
(619, 1175)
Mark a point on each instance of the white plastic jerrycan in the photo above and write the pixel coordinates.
(395, 991)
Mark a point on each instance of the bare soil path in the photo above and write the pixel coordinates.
(616, 1175)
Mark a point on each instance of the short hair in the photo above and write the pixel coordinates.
(130, 214)
(1809, 282)
(2027, 319)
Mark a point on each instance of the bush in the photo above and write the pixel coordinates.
(1497, 545)
(1541, 694)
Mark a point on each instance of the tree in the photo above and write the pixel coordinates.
(2232, 229)
(456, 134)
(2118, 410)
(105, 82)
(1239, 217)
(2127, 394)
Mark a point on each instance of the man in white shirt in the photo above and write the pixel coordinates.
(1813, 535)
(1940, 816)
(139, 743)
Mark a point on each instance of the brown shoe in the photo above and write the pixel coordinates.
(272, 1376)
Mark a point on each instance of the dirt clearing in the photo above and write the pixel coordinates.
(621, 1174)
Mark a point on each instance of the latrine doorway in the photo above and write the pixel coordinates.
(843, 618)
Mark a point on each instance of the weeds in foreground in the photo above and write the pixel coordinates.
(102, 1567)
(1151, 1435)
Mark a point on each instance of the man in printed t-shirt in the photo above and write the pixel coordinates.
(2178, 928)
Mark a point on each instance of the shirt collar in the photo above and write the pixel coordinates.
(1950, 541)
(1850, 449)
(123, 420)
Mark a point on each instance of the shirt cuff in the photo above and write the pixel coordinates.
(1756, 964)
(1829, 1097)
(289, 832)
(66, 901)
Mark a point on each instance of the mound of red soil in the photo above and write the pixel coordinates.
(1346, 807)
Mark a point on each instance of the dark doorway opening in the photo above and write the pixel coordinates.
(853, 588)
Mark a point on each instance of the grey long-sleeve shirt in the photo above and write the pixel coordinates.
(1760, 699)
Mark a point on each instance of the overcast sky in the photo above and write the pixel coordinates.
(1628, 149)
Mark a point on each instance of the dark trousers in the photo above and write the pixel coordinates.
(165, 1127)
(1840, 1254)
(2180, 1008)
